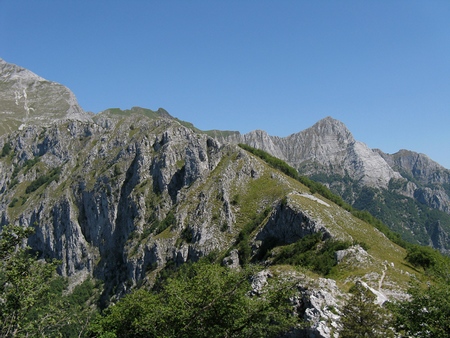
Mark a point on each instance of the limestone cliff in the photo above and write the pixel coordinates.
(367, 178)
(121, 195)
(28, 99)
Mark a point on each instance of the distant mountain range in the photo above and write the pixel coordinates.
(407, 190)
(120, 195)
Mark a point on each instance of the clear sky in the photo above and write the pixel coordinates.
(381, 67)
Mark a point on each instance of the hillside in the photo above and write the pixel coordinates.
(408, 191)
(122, 197)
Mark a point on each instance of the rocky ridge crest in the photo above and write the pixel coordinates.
(28, 99)
(365, 177)
(121, 195)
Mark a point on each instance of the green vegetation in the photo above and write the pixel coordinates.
(426, 314)
(158, 227)
(201, 300)
(6, 150)
(361, 317)
(316, 187)
(243, 240)
(30, 163)
(53, 175)
(312, 252)
(32, 295)
(412, 221)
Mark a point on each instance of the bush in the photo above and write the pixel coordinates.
(421, 256)
(201, 300)
(53, 175)
(426, 314)
(312, 252)
(6, 150)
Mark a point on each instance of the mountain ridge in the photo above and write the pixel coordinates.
(123, 195)
(26, 97)
(366, 178)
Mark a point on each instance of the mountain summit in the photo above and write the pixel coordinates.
(408, 191)
(26, 98)
(126, 197)
(328, 144)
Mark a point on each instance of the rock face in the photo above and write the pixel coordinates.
(329, 145)
(120, 195)
(429, 180)
(366, 178)
(26, 98)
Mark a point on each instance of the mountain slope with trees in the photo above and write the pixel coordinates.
(407, 191)
(135, 204)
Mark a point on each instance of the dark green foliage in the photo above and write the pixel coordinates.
(435, 264)
(187, 235)
(267, 245)
(362, 318)
(117, 171)
(82, 293)
(32, 297)
(30, 163)
(14, 181)
(200, 300)
(426, 314)
(272, 161)
(6, 150)
(53, 175)
(13, 202)
(235, 200)
(422, 256)
(24, 285)
(157, 227)
(402, 214)
(243, 240)
(312, 252)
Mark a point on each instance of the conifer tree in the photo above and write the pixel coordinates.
(361, 317)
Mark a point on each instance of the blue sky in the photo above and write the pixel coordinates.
(381, 67)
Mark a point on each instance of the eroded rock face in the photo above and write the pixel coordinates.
(430, 179)
(329, 145)
(119, 195)
(328, 151)
(287, 224)
(28, 99)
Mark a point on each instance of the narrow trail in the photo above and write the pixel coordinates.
(383, 274)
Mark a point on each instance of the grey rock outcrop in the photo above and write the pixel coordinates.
(123, 194)
(327, 151)
(429, 181)
(28, 99)
(329, 145)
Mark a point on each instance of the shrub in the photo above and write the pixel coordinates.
(6, 150)
(312, 252)
(53, 175)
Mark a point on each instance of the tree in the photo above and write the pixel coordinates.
(202, 300)
(361, 317)
(427, 313)
(31, 294)
(24, 282)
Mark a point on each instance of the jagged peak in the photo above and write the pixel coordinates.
(331, 124)
(15, 72)
(327, 130)
(259, 133)
(28, 99)
(409, 158)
